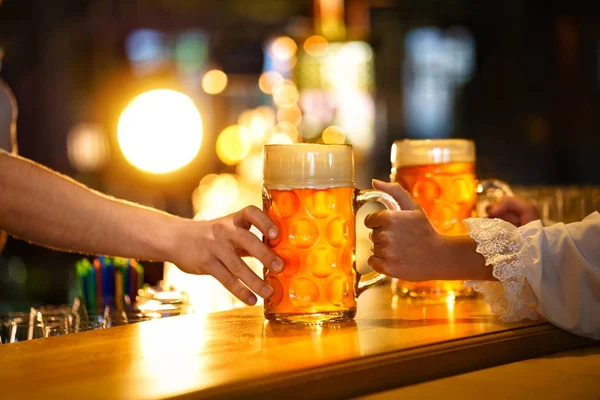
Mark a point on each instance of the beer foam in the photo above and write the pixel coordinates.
(410, 152)
(308, 165)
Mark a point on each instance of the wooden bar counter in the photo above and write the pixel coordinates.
(236, 354)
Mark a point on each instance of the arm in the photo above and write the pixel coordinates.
(522, 272)
(553, 271)
(406, 246)
(38, 205)
(49, 209)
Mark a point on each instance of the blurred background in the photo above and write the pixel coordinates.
(168, 103)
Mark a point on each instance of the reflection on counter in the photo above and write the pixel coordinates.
(329, 342)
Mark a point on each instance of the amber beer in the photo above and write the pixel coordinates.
(309, 193)
(446, 192)
(440, 174)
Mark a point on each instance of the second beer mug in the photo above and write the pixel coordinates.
(440, 175)
(309, 193)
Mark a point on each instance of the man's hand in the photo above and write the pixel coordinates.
(215, 247)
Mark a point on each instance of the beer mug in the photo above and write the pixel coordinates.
(440, 175)
(309, 192)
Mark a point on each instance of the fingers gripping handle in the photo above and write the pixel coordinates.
(373, 278)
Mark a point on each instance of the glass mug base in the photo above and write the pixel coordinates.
(319, 318)
(432, 291)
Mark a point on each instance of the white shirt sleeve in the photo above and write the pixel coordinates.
(549, 271)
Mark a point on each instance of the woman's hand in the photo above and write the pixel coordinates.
(406, 246)
(215, 247)
(514, 210)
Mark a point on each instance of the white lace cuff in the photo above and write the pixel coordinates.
(503, 247)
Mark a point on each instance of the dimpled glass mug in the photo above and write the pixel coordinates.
(440, 175)
(309, 192)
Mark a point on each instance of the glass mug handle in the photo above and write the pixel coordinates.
(490, 191)
(372, 278)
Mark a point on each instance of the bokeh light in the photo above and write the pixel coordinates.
(191, 51)
(285, 94)
(280, 138)
(251, 168)
(288, 129)
(267, 113)
(215, 196)
(224, 186)
(268, 80)
(348, 66)
(259, 122)
(316, 45)
(334, 135)
(160, 131)
(87, 147)
(207, 179)
(17, 270)
(214, 81)
(285, 66)
(147, 50)
(233, 144)
(283, 48)
(291, 114)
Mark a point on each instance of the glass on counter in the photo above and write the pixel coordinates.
(48, 321)
(309, 193)
(440, 175)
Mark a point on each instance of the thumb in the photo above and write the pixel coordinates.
(404, 199)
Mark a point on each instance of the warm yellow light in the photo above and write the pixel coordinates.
(284, 66)
(214, 81)
(207, 179)
(268, 80)
(160, 131)
(290, 114)
(205, 196)
(348, 66)
(285, 94)
(166, 359)
(288, 129)
(333, 135)
(233, 144)
(283, 48)
(259, 123)
(280, 138)
(331, 18)
(245, 118)
(87, 147)
(267, 113)
(220, 197)
(251, 168)
(316, 45)
(263, 120)
(225, 186)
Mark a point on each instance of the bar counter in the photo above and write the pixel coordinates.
(393, 342)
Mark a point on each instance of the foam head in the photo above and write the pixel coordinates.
(436, 151)
(308, 165)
